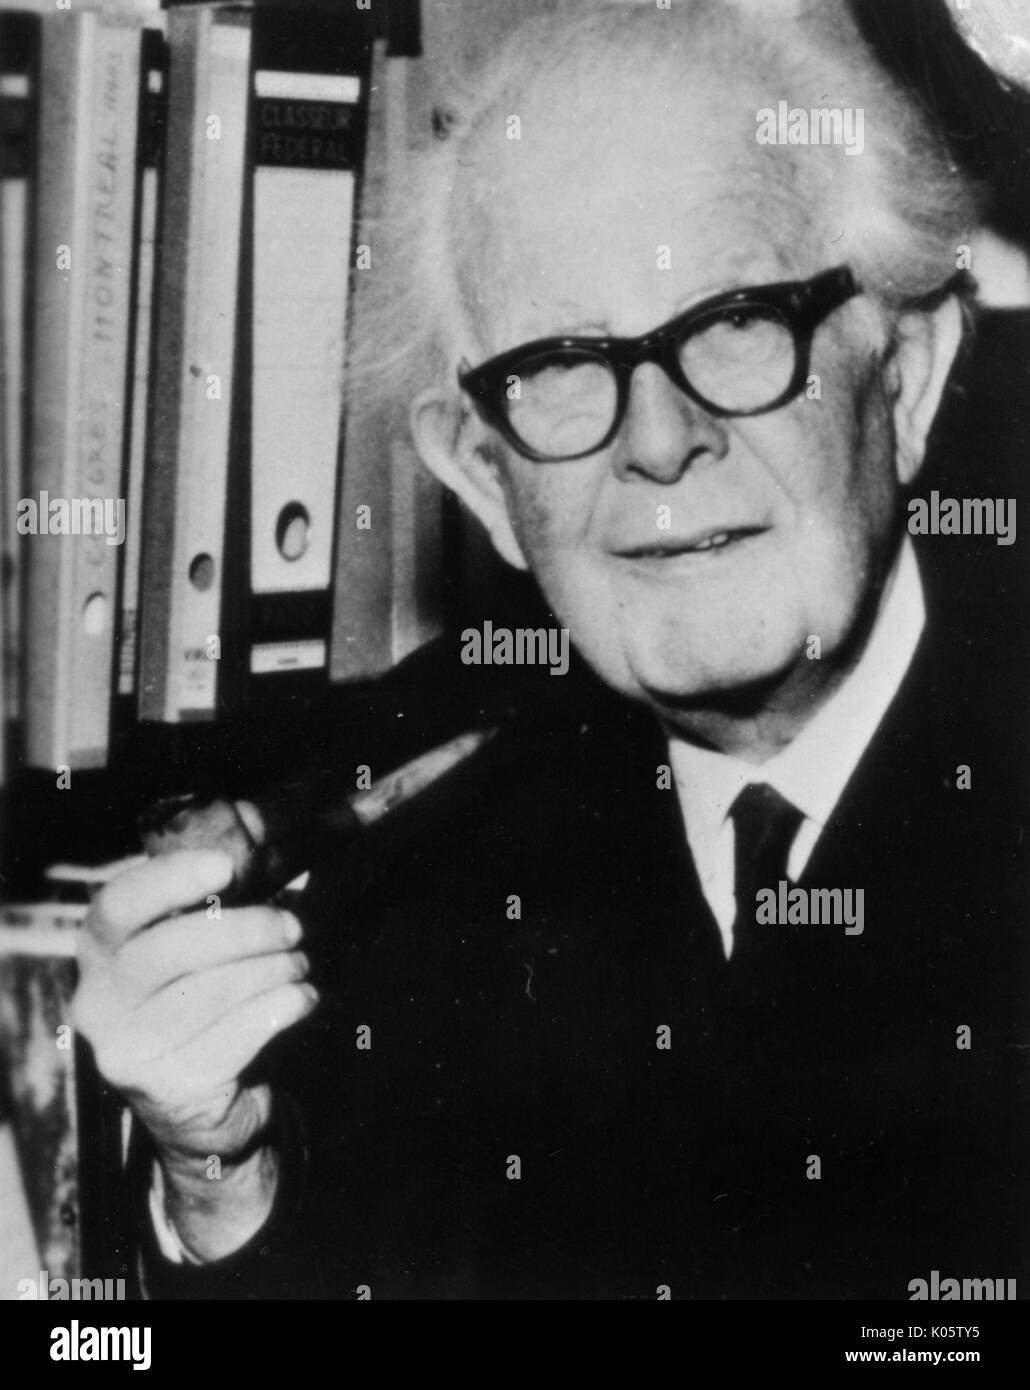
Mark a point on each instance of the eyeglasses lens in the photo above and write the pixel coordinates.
(565, 403)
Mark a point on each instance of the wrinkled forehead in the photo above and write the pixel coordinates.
(620, 200)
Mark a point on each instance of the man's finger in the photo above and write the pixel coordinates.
(194, 942)
(175, 1015)
(216, 1057)
(143, 895)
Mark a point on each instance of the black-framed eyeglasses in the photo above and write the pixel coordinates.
(741, 353)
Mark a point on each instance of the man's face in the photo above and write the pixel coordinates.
(805, 494)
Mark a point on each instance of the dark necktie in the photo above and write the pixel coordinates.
(765, 824)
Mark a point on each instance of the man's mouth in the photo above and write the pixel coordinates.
(711, 539)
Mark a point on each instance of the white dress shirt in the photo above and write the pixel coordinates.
(812, 770)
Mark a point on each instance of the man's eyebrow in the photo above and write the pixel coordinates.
(594, 329)
(736, 284)
(599, 330)
(727, 284)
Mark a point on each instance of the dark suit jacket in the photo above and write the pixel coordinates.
(495, 1036)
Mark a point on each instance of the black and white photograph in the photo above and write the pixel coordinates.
(515, 686)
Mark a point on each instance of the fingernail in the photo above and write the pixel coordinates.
(292, 929)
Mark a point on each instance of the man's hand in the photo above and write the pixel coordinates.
(175, 1008)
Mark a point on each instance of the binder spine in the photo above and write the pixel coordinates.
(19, 61)
(308, 138)
(82, 287)
(187, 474)
(152, 124)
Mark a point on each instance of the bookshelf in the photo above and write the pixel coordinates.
(239, 179)
(181, 191)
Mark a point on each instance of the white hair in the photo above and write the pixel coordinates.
(900, 211)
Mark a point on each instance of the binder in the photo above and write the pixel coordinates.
(19, 52)
(82, 288)
(388, 594)
(194, 364)
(308, 142)
(153, 97)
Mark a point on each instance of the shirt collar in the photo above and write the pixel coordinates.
(812, 770)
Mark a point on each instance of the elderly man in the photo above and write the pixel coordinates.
(584, 1026)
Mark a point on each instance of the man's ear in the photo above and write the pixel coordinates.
(924, 350)
(448, 441)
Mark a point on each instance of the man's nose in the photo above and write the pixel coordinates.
(664, 432)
